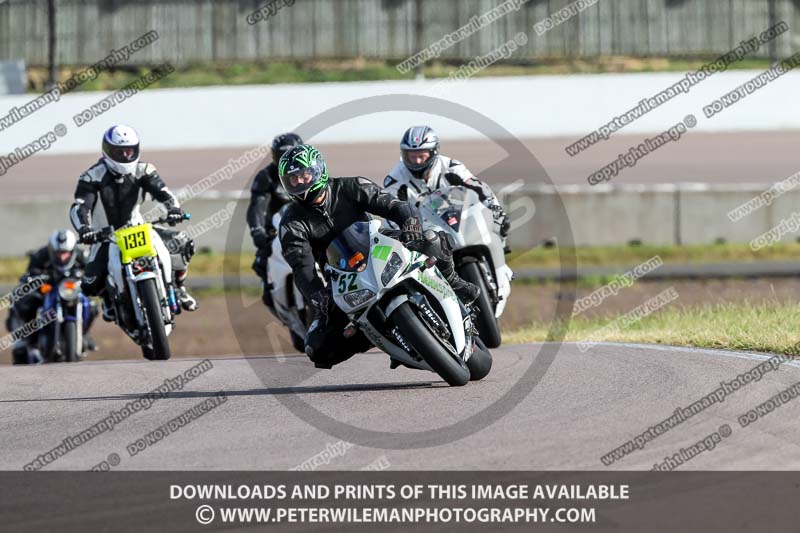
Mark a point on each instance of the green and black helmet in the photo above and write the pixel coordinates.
(303, 173)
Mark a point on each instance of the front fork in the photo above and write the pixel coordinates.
(166, 303)
(491, 283)
(61, 318)
(470, 330)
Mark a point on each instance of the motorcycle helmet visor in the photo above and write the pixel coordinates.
(63, 257)
(417, 159)
(302, 180)
(121, 154)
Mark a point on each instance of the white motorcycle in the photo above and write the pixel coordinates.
(141, 285)
(290, 306)
(478, 252)
(403, 305)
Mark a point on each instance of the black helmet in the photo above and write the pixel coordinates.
(418, 138)
(284, 142)
(303, 173)
(61, 249)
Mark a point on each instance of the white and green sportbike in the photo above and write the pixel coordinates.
(141, 285)
(477, 252)
(403, 305)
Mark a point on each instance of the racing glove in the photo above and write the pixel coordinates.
(411, 230)
(501, 217)
(87, 235)
(174, 216)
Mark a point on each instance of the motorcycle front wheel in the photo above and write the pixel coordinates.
(71, 349)
(148, 292)
(454, 372)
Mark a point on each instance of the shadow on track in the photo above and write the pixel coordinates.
(272, 391)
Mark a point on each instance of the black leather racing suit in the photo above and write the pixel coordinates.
(266, 198)
(104, 198)
(305, 233)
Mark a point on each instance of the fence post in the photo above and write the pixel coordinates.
(51, 43)
(773, 45)
(418, 30)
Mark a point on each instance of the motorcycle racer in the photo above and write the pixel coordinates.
(422, 168)
(267, 196)
(110, 192)
(323, 207)
(60, 255)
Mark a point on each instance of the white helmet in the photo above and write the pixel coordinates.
(61, 249)
(121, 149)
(419, 139)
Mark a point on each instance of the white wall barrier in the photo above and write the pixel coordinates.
(599, 215)
(530, 106)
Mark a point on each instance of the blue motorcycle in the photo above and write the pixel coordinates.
(65, 314)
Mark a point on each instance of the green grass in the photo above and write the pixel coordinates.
(11, 269)
(625, 255)
(211, 264)
(763, 327)
(203, 265)
(266, 72)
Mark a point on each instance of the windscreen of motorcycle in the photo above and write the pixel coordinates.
(349, 251)
(447, 205)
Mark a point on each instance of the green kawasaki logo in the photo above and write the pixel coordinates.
(433, 284)
(381, 252)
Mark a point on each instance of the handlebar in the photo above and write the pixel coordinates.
(165, 219)
(107, 232)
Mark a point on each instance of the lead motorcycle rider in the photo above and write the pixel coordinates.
(422, 168)
(266, 198)
(59, 256)
(111, 192)
(322, 208)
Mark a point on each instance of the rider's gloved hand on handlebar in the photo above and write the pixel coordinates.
(412, 230)
(501, 217)
(88, 235)
(174, 216)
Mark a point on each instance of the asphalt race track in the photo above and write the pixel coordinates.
(752, 157)
(584, 406)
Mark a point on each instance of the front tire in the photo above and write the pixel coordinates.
(70, 340)
(417, 334)
(152, 310)
(487, 325)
